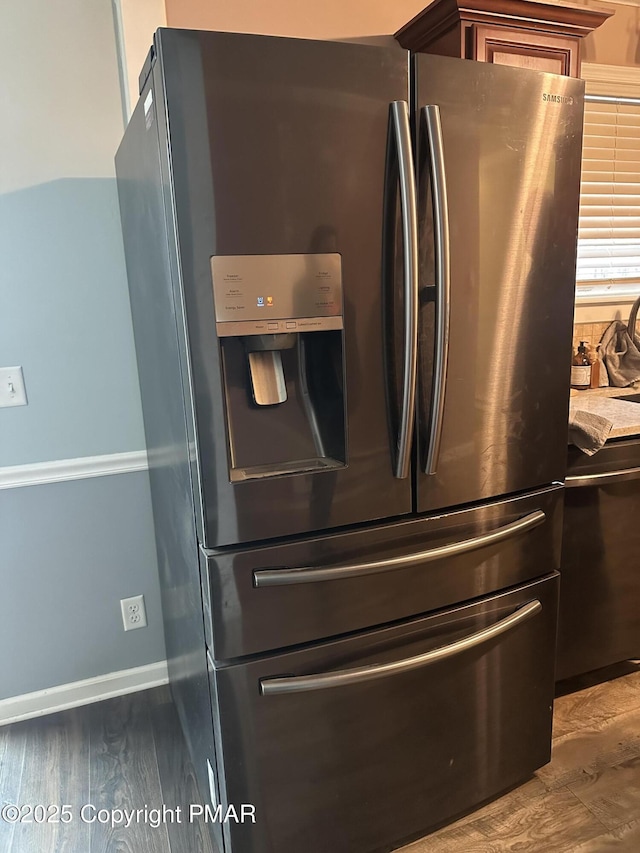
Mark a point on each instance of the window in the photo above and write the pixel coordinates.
(608, 268)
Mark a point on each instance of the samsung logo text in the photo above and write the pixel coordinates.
(557, 99)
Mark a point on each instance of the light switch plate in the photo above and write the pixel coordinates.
(12, 390)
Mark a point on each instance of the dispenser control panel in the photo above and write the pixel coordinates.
(271, 294)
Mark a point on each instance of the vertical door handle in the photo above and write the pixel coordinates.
(402, 134)
(431, 115)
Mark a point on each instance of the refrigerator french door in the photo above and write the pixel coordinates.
(278, 167)
(278, 172)
(498, 170)
(297, 306)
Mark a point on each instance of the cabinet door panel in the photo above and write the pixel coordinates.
(523, 49)
(599, 614)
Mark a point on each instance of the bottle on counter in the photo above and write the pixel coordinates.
(593, 355)
(581, 368)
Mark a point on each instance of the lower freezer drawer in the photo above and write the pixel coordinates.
(358, 744)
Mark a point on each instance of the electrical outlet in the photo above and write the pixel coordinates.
(133, 613)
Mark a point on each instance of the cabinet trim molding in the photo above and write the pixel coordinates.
(443, 15)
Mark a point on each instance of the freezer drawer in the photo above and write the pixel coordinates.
(308, 590)
(599, 614)
(350, 761)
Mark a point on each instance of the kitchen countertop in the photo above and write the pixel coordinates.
(624, 416)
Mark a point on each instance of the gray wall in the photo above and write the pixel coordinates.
(65, 318)
(72, 550)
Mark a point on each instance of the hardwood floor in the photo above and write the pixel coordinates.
(125, 753)
(129, 753)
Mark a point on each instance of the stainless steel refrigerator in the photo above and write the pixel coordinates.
(351, 277)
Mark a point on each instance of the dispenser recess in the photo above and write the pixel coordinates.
(279, 321)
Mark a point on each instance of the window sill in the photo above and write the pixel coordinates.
(598, 309)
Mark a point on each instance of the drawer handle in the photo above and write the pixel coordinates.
(300, 683)
(308, 574)
(620, 476)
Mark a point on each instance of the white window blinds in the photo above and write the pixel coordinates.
(609, 227)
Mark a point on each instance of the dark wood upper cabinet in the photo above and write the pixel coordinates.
(541, 36)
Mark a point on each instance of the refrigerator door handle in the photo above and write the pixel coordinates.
(358, 675)
(285, 576)
(433, 125)
(402, 134)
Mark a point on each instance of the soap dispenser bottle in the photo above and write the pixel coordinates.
(581, 369)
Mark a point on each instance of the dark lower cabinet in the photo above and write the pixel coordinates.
(599, 621)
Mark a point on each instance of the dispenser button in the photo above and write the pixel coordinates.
(291, 325)
(272, 326)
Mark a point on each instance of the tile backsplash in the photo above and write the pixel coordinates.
(591, 332)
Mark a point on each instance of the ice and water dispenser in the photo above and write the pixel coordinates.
(279, 320)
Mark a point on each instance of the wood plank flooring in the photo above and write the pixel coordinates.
(125, 753)
(129, 753)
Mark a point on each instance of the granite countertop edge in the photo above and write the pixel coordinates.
(626, 422)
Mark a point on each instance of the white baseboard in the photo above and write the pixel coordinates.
(63, 470)
(64, 696)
